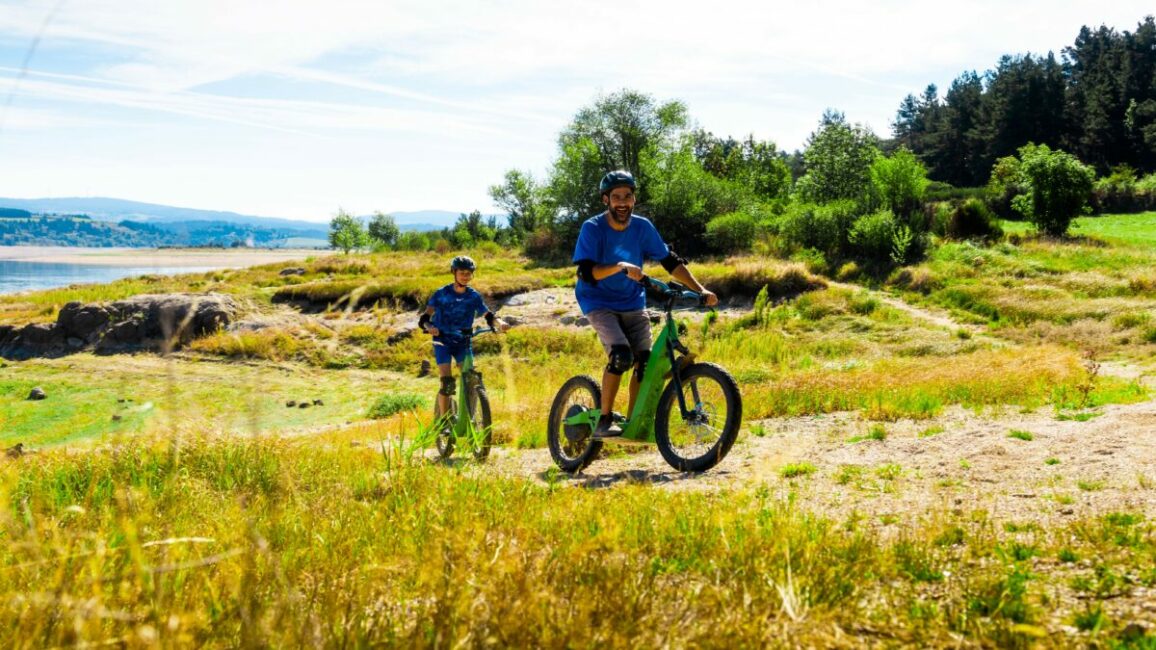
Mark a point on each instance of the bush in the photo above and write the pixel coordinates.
(1116, 192)
(1059, 186)
(733, 232)
(899, 183)
(972, 220)
(546, 245)
(412, 240)
(872, 235)
(824, 228)
(393, 403)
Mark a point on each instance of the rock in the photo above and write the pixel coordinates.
(293, 271)
(512, 320)
(582, 321)
(567, 320)
(291, 403)
(84, 322)
(116, 417)
(1067, 511)
(15, 451)
(74, 342)
(401, 335)
(318, 402)
(303, 404)
(37, 393)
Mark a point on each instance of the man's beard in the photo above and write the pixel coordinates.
(621, 216)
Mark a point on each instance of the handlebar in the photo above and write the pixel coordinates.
(672, 291)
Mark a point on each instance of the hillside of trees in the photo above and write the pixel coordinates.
(1096, 101)
(22, 228)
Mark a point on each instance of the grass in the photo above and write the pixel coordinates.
(189, 526)
(273, 543)
(793, 470)
(1019, 434)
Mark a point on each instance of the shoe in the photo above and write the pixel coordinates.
(607, 428)
(617, 417)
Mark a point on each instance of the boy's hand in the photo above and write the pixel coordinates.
(501, 325)
(432, 331)
(708, 297)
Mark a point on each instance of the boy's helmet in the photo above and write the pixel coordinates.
(463, 263)
(616, 178)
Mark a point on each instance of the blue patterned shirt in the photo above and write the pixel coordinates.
(454, 312)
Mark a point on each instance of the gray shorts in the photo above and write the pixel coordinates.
(621, 328)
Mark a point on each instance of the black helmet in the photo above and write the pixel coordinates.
(463, 263)
(616, 178)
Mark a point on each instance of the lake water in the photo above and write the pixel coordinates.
(17, 275)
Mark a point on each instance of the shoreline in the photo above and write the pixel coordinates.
(159, 257)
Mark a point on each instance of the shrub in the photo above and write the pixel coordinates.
(545, 245)
(733, 232)
(972, 220)
(899, 182)
(412, 240)
(811, 258)
(1059, 186)
(823, 228)
(394, 403)
(872, 235)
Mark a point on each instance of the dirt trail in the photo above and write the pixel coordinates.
(961, 460)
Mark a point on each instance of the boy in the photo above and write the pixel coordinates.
(451, 310)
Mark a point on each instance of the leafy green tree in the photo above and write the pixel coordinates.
(346, 232)
(756, 165)
(526, 203)
(900, 181)
(838, 159)
(1059, 186)
(612, 133)
(382, 228)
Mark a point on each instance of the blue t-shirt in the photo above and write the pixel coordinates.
(602, 244)
(454, 312)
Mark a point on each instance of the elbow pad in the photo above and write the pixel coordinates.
(423, 321)
(586, 271)
(489, 318)
(672, 261)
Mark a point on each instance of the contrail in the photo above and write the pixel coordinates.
(27, 60)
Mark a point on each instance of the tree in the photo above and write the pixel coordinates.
(346, 232)
(1059, 186)
(755, 164)
(838, 159)
(383, 228)
(526, 203)
(899, 182)
(612, 133)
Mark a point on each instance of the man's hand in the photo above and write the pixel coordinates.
(432, 331)
(633, 272)
(501, 326)
(708, 297)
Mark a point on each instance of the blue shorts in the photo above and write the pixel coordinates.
(452, 349)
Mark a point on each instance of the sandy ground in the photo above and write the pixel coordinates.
(168, 257)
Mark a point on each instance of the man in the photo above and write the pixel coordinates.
(611, 249)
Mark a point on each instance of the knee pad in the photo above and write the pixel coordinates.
(449, 386)
(640, 364)
(621, 358)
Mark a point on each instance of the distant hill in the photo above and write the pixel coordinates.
(106, 209)
(176, 226)
(425, 219)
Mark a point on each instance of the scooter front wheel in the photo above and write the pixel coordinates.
(698, 440)
(573, 447)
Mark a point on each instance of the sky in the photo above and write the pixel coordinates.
(298, 109)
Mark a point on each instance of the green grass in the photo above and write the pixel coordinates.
(793, 470)
(239, 542)
(1019, 434)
